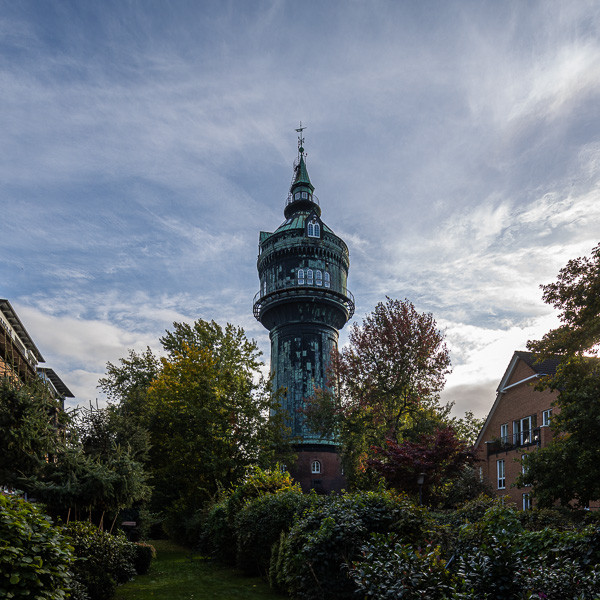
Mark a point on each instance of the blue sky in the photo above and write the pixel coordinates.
(454, 145)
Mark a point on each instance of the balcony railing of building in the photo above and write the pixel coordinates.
(528, 437)
(298, 196)
(292, 289)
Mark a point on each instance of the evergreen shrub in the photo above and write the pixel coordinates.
(34, 555)
(314, 558)
(104, 559)
(218, 537)
(144, 553)
(259, 524)
(390, 569)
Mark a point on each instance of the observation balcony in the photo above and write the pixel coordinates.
(291, 290)
(524, 439)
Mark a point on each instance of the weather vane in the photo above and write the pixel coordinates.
(300, 137)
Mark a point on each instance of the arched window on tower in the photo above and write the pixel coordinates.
(315, 467)
(309, 276)
(300, 276)
(327, 279)
(313, 229)
(319, 278)
(317, 230)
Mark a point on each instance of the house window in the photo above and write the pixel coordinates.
(546, 417)
(526, 502)
(327, 280)
(315, 467)
(297, 196)
(500, 469)
(309, 276)
(504, 433)
(300, 276)
(523, 430)
(304, 195)
(319, 278)
(524, 467)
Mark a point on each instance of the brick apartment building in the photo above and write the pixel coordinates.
(517, 424)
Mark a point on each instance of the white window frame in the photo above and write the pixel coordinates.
(524, 467)
(309, 276)
(319, 278)
(504, 433)
(527, 501)
(315, 467)
(313, 229)
(327, 279)
(523, 430)
(546, 418)
(300, 276)
(501, 474)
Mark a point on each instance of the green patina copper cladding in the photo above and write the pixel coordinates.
(303, 299)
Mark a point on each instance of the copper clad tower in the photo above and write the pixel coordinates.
(303, 301)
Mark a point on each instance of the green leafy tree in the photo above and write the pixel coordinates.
(385, 385)
(127, 384)
(568, 468)
(209, 412)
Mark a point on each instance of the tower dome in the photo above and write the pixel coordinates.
(304, 301)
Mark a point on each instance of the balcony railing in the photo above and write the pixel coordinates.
(310, 197)
(293, 289)
(529, 437)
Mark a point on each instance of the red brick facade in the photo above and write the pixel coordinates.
(520, 409)
(318, 468)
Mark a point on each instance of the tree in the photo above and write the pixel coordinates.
(440, 457)
(385, 384)
(568, 468)
(96, 472)
(127, 384)
(207, 409)
(576, 293)
(29, 422)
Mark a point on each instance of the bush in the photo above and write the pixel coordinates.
(321, 546)
(104, 559)
(144, 553)
(218, 537)
(561, 580)
(34, 555)
(393, 570)
(259, 524)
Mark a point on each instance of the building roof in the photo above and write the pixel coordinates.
(301, 178)
(545, 367)
(298, 221)
(11, 316)
(56, 381)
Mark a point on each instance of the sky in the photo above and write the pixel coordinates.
(454, 145)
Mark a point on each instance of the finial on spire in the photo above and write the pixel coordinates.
(300, 139)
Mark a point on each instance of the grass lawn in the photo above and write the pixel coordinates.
(177, 573)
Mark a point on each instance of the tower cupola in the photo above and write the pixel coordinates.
(301, 197)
